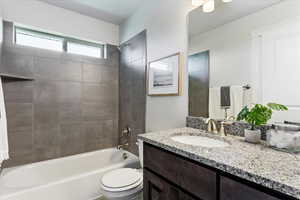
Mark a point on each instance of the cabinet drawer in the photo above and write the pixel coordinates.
(233, 190)
(193, 178)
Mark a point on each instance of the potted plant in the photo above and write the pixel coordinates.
(257, 116)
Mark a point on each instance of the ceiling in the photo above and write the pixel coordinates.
(200, 22)
(117, 11)
(113, 11)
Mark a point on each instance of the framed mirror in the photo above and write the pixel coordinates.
(254, 49)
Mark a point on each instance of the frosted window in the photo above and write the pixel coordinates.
(85, 50)
(39, 41)
(43, 40)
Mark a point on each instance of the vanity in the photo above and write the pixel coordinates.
(232, 63)
(175, 169)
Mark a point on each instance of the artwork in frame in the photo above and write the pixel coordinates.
(164, 76)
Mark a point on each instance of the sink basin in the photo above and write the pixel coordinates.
(199, 141)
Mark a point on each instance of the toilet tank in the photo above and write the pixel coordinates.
(141, 152)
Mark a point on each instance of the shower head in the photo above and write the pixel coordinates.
(122, 46)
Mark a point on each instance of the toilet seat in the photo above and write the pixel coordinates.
(121, 180)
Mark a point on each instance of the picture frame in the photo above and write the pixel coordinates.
(164, 76)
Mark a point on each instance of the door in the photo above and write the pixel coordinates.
(132, 87)
(198, 65)
(279, 68)
(156, 188)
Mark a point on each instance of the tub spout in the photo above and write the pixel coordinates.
(122, 146)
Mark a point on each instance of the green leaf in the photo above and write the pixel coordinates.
(243, 113)
(259, 114)
(277, 107)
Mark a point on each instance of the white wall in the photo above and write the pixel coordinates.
(166, 24)
(1, 39)
(58, 20)
(1, 30)
(230, 45)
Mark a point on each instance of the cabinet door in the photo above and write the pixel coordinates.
(155, 188)
(233, 190)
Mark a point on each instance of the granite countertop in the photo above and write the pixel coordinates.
(257, 163)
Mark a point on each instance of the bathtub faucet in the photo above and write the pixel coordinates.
(122, 146)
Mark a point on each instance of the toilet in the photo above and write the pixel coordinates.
(124, 183)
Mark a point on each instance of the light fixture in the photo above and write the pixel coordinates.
(209, 6)
(198, 3)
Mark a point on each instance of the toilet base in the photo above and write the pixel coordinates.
(137, 197)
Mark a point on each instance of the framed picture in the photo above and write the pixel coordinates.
(164, 76)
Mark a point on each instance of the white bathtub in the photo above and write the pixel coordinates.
(70, 178)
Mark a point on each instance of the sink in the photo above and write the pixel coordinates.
(199, 141)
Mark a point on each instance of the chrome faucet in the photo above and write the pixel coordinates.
(126, 132)
(122, 146)
(222, 129)
(212, 126)
(228, 121)
(124, 138)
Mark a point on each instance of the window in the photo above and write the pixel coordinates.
(39, 40)
(83, 49)
(32, 38)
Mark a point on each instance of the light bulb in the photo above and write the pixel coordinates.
(198, 3)
(227, 1)
(209, 6)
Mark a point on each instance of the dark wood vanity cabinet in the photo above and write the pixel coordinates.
(168, 176)
(194, 179)
(233, 190)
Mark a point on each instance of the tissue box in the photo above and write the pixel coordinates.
(284, 137)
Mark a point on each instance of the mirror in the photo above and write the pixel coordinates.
(243, 53)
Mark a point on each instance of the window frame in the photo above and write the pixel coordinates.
(65, 41)
(84, 43)
(37, 34)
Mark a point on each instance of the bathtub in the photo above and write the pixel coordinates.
(70, 178)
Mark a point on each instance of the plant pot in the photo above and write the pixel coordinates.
(252, 136)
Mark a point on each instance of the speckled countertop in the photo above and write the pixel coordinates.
(257, 163)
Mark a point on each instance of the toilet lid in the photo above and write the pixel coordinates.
(122, 179)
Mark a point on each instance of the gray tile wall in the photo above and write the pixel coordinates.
(71, 107)
(133, 87)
